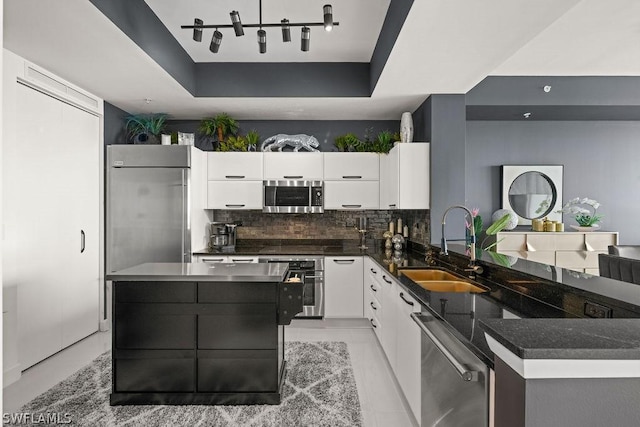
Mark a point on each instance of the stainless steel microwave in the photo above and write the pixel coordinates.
(292, 197)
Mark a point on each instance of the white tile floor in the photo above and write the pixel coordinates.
(380, 398)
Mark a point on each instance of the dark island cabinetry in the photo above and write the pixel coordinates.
(198, 342)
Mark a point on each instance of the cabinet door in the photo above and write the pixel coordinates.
(389, 195)
(234, 195)
(288, 165)
(413, 169)
(509, 241)
(344, 195)
(389, 308)
(234, 166)
(343, 287)
(351, 166)
(241, 259)
(408, 350)
(210, 259)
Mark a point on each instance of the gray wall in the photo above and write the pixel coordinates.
(600, 161)
(114, 125)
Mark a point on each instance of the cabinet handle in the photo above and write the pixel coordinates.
(250, 260)
(373, 289)
(292, 176)
(392, 206)
(373, 271)
(344, 261)
(234, 176)
(234, 206)
(82, 241)
(212, 259)
(373, 305)
(352, 206)
(385, 279)
(403, 299)
(351, 177)
(373, 323)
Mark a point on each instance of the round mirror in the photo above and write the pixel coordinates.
(532, 191)
(532, 195)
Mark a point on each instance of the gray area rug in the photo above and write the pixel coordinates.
(320, 390)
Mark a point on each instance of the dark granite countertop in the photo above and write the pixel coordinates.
(567, 338)
(526, 289)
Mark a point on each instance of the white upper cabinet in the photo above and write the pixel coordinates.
(234, 195)
(234, 166)
(351, 166)
(404, 177)
(293, 166)
(344, 195)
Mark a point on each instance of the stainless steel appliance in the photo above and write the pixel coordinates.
(147, 205)
(223, 236)
(455, 383)
(293, 197)
(313, 274)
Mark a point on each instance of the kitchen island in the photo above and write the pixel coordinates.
(199, 334)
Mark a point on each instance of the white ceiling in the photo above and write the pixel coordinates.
(352, 41)
(445, 46)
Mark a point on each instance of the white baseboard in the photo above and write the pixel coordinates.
(105, 325)
(11, 375)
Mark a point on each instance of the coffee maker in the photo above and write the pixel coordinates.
(223, 236)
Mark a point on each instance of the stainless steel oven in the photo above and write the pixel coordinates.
(313, 269)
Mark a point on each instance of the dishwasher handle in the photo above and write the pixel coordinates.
(465, 374)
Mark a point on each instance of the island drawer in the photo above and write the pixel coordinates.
(234, 292)
(237, 326)
(237, 371)
(154, 375)
(154, 292)
(148, 326)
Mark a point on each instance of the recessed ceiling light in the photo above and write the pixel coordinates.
(527, 115)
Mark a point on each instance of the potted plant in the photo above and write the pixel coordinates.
(219, 126)
(145, 128)
(348, 142)
(383, 142)
(252, 138)
(234, 143)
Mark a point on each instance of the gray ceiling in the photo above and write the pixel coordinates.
(428, 47)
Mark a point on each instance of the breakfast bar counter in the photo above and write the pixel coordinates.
(198, 334)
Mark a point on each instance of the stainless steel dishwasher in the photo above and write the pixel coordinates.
(455, 382)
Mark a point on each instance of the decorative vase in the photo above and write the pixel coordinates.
(406, 127)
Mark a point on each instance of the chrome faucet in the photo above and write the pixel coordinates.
(473, 268)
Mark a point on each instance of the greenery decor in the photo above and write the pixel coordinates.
(383, 142)
(140, 127)
(252, 138)
(219, 126)
(234, 143)
(584, 217)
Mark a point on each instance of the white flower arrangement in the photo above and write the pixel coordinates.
(583, 216)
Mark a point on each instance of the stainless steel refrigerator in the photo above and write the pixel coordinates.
(147, 205)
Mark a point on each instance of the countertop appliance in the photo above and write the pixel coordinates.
(455, 382)
(223, 236)
(147, 207)
(292, 196)
(313, 276)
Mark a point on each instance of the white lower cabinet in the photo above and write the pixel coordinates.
(408, 356)
(388, 306)
(343, 286)
(234, 195)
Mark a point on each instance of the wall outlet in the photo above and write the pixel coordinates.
(591, 309)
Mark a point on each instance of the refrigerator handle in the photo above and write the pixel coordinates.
(184, 218)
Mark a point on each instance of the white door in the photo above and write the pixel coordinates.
(80, 294)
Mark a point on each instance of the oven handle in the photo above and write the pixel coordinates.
(465, 374)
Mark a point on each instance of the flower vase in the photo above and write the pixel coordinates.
(406, 127)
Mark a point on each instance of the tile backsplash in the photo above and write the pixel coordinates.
(328, 225)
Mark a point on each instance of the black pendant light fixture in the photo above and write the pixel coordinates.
(238, 28)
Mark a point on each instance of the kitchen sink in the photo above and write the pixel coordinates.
(429, 274)
(449, 286)
(441, 281)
